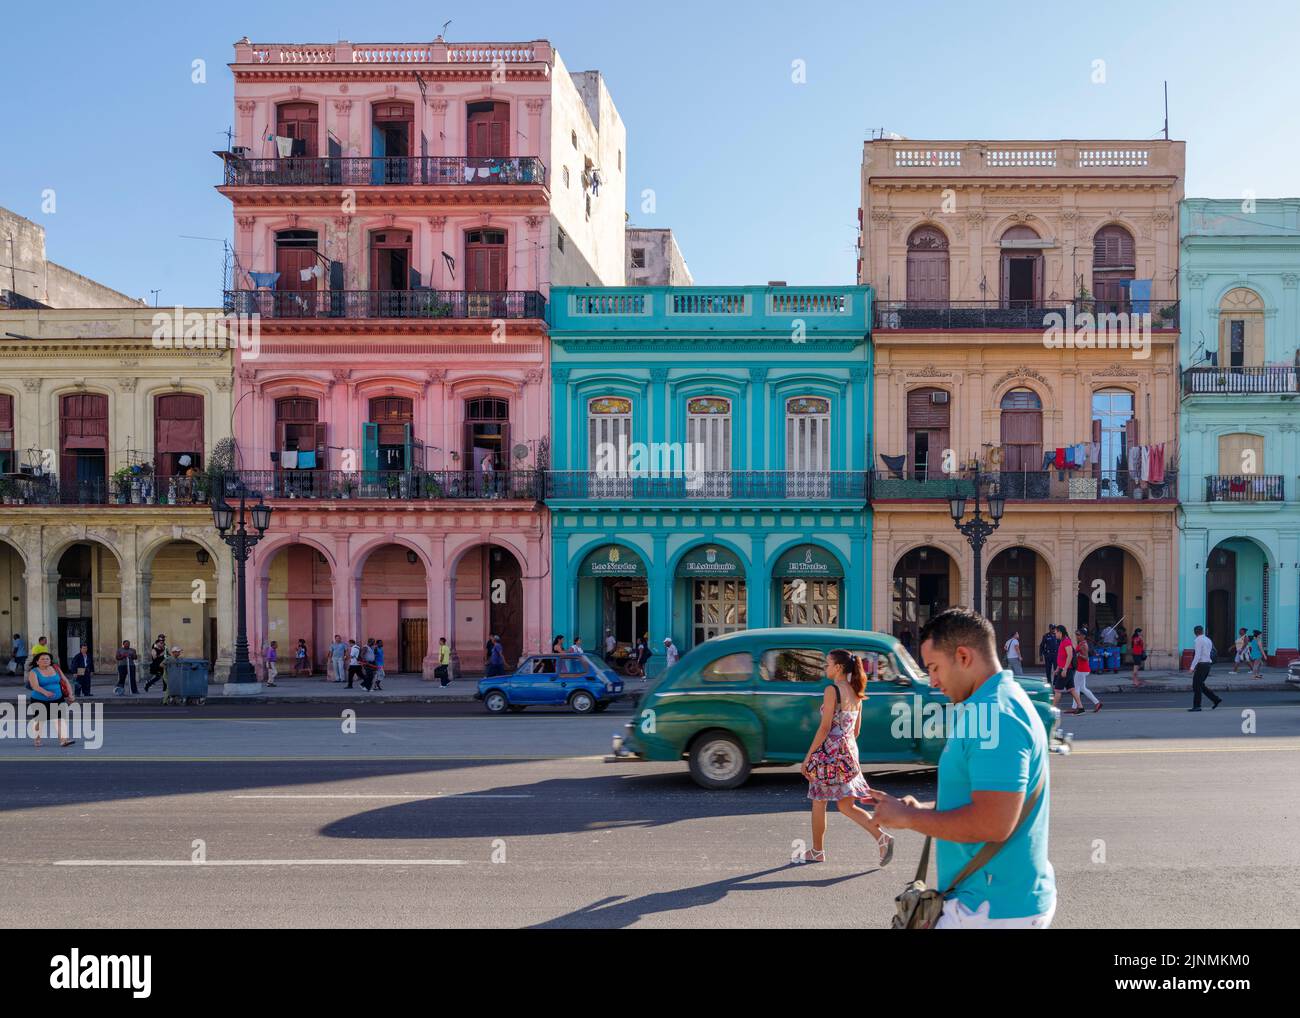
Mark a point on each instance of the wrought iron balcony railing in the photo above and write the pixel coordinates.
(977, 314)
(389, 485)
(1253, 381)
(1245, 488)
(732, 486)
(138, 490)
(1083, 485)
(359, 171)
(420, 303)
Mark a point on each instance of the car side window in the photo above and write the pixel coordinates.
(798, 664)
(571, 666)
(544, 666)
(730, 668)
(881, 668)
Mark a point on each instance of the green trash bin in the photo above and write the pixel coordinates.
(187, 683)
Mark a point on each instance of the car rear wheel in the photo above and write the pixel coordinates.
(496, 702)
(718, 760)
(582, 702)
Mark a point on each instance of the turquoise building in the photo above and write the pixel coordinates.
(1240, 532)
(709, 450)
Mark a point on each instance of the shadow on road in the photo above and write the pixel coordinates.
(618, 912)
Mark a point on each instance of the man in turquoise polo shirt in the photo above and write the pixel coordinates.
(992, 763)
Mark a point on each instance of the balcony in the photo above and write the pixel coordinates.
(1023, 486)
(406, 304)
(1063, 158)
(25, 489)
(730, 486)
(438, 171)
(1245, 488)
(930, 315)
(1240, 381)
(388, 485)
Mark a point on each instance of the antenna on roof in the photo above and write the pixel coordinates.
(442, 35)
(1166, 111)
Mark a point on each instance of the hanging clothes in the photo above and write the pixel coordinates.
(1134, 462)
(307, 459)
(1158, 463)
(283, 146)
(1049, 459)
(1058, 460)
(1094, 453)
(1146, 462)
(289, 459)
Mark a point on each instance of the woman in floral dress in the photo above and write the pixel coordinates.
(831, 764)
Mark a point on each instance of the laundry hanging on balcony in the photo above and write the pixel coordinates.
(894, 464)
(1147, 463)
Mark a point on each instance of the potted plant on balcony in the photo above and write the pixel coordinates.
(432, 487)
(7, 491)
(1166, 313)
(122, 485)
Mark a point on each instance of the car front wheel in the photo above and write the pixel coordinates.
(582, 703)
(718, 760)
(496, 702)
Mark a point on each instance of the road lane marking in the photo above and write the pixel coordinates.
(258, 862)
(96, 757)
(1078, 751)
(390, 795)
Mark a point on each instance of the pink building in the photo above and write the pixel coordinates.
(401, 212)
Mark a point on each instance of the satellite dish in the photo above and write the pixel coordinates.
(520, 451)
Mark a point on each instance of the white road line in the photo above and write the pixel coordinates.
(259, 862)
(388, 795)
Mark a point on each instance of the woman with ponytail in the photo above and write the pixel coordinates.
(831, 764)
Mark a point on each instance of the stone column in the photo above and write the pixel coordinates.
(435, 602)
(660, 588)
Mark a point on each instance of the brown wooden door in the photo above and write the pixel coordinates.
(1010, 600)
(178, 430)
(290, 261)
(485, 258)
(1022, 440)
(487, 130)
(83, 445)
(927, 267)
(414, 639)
(301, 122)
(928, 433)
(506, 602)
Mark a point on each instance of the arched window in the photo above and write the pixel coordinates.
(387, 438)
(1114, 432)
(927, 267)
(1241, 329)
(708, 446)
(807, 447)
(609, 440)
(487, 432)
(487, 132)
(1022, 440)
(1113, 268)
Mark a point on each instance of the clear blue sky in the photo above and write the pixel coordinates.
(758, 175)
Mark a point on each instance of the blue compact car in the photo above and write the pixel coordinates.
(552, 680)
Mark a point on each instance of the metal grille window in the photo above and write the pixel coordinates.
(810, 603)
(719, 607)
(807, 447)
(708, 452)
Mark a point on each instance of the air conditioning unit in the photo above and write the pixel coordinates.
(939, 397)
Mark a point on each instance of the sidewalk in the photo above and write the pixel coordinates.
(1170, 681)
(405, 688)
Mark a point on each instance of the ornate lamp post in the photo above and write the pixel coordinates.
(242, 679)
(977, 529)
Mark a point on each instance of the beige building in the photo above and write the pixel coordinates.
(28, 278)
(654, 259)
(105, 441)
(1026, 327)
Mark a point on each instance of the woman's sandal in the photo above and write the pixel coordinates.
(886, 845)
(68, 742)
(812, 855)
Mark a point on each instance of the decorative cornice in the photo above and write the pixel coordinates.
(1022, 373)
(343, 106)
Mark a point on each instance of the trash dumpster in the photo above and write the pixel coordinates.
(187, 681)
(1095, 662)
(1112, 659)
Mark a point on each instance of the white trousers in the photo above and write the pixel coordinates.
(1081, 686)
(957, 916)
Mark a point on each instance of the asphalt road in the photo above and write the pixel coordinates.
(1159, 818)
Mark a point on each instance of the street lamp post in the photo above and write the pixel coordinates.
(977, 529)
(242, 679)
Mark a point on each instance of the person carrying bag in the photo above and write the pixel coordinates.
(919, 907)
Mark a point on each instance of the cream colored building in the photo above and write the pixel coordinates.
(973, 247)
(85, 394)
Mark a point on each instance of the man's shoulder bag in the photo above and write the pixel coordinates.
(919, 907)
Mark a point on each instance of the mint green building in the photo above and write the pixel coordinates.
(709, 450)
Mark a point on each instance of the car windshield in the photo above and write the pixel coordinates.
(908, 666)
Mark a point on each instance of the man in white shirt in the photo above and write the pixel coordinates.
(670, 652)
(1012, 647)
(1202, 658)
(354, 662)
(337, 651)
(611, 644)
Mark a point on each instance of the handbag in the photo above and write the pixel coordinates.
(919, 907)
(66, 687)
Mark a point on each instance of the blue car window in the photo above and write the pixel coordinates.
(544, 666)
(572, 666)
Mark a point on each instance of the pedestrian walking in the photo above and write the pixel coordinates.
(18, 660)
(1202, 658)
(379, 664)
(355, 671)
(1083, 669)
(1063, 676)
(1255, 652)
(48, 686)
(1012, 647)
(670, 652)
(1139, 651)
(496, 660)
(577, 646)
(990, 789)
(158, 653)
(443, 671)
(126, 658)
(368, 665)
(1239, 656)
(338, 656)
(831, 763)
(301, 659)
(557, 645)
(41, 646)
(83, 668)
(643, 652)
(1047, 648)
(611, 645)
(272, 655)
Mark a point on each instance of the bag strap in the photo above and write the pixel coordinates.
(836, 686)
(992, 848)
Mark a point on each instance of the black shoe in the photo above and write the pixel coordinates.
(1193, 710)
(1216, 705)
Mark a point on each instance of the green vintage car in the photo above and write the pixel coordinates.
(752, 699)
